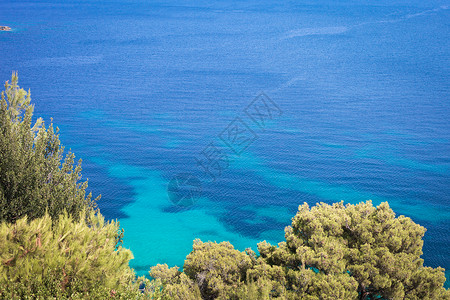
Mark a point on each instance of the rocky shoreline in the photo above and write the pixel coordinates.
(5, 28)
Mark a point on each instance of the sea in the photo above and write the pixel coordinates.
(216, 119)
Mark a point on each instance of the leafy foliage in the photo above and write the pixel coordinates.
(34, 178)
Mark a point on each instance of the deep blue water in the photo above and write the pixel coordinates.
(140, 90)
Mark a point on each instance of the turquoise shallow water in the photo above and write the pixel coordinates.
(141, 89)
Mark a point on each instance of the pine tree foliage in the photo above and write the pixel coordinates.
(358, 251)
(66, 258)
(218, 269)
(331, 252)
(173, 284)
(34, 178)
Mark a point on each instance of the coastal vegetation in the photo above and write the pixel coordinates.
(35, 177)
(54, 242)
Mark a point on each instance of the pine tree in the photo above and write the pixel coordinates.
(64, 258)
(218, 269)
(365, 249)
(34, 178)
(172, 284)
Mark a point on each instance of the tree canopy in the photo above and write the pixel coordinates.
(331, 252)
(368, 249)
(34, 177)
